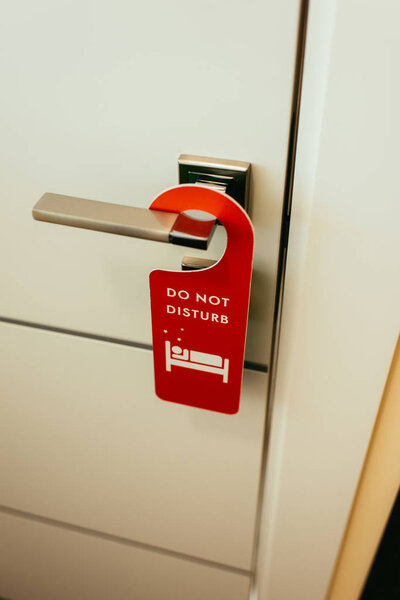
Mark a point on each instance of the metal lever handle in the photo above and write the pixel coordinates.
(142, 223)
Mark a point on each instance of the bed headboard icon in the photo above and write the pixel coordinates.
(193, 359)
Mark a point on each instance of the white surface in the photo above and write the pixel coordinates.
(342, 297)
(100, 98)
(42, 562)
(84, 440)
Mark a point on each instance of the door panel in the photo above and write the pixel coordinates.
(101, 98)
(84, 440)
(43, 562)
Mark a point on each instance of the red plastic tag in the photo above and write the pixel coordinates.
(199, 318)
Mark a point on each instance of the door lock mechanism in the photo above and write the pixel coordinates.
(229, 176)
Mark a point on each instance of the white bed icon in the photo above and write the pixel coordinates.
(199, 361)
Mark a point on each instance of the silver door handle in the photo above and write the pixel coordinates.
(142, 223)
(230, 176)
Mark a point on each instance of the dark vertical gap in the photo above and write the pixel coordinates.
(283, 244)
(288, 193)
(383, 582)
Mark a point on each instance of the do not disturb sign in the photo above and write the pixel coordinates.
(199, 318)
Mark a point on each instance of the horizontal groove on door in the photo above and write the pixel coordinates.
(120, 540)
(252, 366)
(83, 334)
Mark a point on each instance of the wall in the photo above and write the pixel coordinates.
(340, 313)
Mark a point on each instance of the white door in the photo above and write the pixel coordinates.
(106, 491)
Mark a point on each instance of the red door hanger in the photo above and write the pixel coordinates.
(199, 318)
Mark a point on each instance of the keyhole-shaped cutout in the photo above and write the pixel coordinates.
(191, 262)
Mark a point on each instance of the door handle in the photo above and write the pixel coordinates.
(227, 176)
(160, 226)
